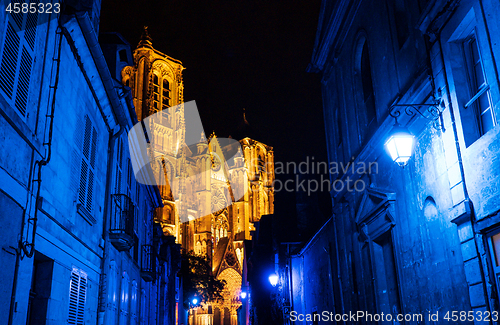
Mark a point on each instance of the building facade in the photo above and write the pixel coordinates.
(196, 180)
(79, 241)
(422, 239)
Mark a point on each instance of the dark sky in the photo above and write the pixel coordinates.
(239, 54)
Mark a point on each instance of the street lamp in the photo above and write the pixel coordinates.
(243, 295)
(194, 301)
(273, 279)
(400, 145)
(401, 142)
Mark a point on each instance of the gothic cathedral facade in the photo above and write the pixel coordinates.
(156, 83)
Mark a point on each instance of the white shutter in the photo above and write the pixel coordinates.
(77, 296)
(17, 58)
(9, 61)
(88, 163)
(23, 83)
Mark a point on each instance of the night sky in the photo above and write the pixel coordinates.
(240, 54)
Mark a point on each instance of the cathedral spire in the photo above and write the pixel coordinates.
(245, 118)
(146, 40)
(245, 129)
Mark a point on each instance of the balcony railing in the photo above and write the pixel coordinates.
(121, 229)
(148, 263)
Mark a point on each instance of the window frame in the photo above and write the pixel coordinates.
(476, 90)
(467, 22)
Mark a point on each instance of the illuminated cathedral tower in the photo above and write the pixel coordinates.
(156, 82)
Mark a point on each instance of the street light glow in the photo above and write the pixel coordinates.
(243, 295)
(400, 145)
(273, 278)
(195, 301)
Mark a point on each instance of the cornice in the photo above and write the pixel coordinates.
(332, 36)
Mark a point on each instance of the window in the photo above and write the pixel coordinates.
(17, 58)
(221, 229)
(363, 90)
(156, 93)
(77, 296)
(123, 55)
(470, 68)
(379, 267)
(494, 248)
(479, 95)
(366, 80)
(166, 94)
(87, 170)
(197, 248)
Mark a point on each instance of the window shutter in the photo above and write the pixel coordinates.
(77, 296)
(87, 137)
(88, 163)
(83, 182)
(9, 61)
(129, 179)
(18, 57)
(119, 165)
(93, 150)
(118, 182)
(23, 84)
(30, 31)
(18, 18)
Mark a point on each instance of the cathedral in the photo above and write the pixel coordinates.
(202, 208)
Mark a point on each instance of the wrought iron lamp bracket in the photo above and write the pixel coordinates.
(428, 111)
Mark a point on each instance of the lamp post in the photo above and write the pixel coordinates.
(400, 145)
(273, 279)
(401, 142)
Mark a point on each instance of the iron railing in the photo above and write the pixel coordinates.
(121, 228)
(148, 263)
